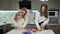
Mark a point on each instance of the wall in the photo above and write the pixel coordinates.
(9, 4)
(51, 4)
(13, 4)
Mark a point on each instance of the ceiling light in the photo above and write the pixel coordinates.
(43, 0)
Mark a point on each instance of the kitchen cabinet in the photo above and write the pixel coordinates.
(1, 29)
(5, 28)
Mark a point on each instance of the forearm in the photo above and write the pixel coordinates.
(19, 27)
(45, 23)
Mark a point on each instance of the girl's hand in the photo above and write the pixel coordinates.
(18, 27)
(21, 27)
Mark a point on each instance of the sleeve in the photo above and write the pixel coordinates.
(36, 21)
(14, 23)
(46, 21)
(25, 22)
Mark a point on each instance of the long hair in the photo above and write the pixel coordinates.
(46, 10)
(24, 9)
(23, 16)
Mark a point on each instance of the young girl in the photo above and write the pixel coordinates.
(20, 19)
(41, 17)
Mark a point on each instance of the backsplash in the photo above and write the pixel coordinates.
(6, 16)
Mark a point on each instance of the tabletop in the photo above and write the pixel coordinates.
(38, 32)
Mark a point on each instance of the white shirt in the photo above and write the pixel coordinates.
(39, 19)
(20, 22)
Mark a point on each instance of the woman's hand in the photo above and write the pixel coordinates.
(42, 26)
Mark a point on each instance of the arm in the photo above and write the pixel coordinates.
(45, 22)
(14, 23)
(25, 22)
(36, 21)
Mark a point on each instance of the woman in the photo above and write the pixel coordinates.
(24, 12)
(20, 20)
(41, 18)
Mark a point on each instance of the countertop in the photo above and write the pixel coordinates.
(14, 31)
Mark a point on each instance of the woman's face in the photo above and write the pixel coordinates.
(43, 9)
(23, 12)
(19, 15)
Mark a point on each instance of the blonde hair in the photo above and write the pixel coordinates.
(24, 9)
(23, 16)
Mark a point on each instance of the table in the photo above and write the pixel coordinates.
(38, 32)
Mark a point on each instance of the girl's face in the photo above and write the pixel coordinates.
(43, 9)
(19, 15)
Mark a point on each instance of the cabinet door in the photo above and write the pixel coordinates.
(1, 29)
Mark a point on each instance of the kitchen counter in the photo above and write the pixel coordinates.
(1, 24)
(38, 32)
